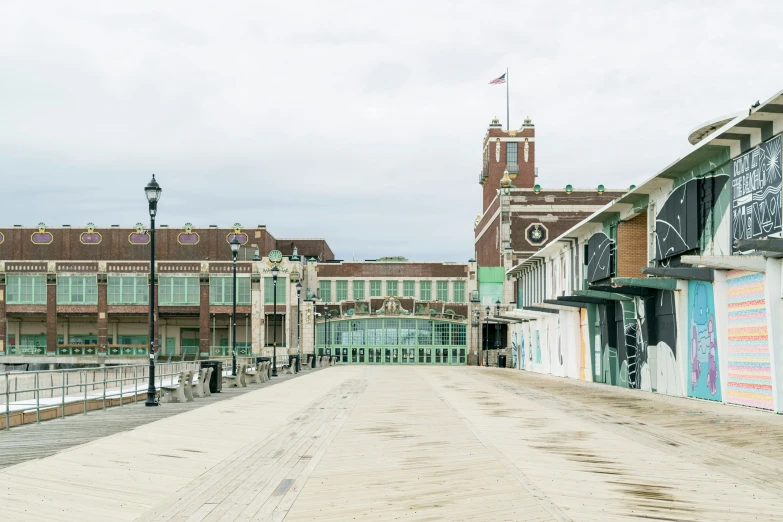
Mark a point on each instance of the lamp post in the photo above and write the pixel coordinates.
(234, 251)
(152, 191)
(274, 320)
(477, 324)
(497, 330)
(486, 336)
(298, 326)
(315, 325)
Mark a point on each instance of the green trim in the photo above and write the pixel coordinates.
(602, 295)
(660, 283)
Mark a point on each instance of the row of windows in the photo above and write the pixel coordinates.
(134, 290)
(392, 288)
(406, 332)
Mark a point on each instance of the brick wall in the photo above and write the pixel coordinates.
(632, 246)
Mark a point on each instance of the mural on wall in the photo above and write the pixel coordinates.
(755, 192)
(599, 257)
(538, 348)
(749, 370)
(686, 214)
(517, 346)
(584, 347)
(659, 370)
(702, 342)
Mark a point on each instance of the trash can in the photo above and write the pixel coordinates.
(269, 368)
(501, 361)
(216, 379)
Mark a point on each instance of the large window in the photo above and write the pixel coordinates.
(409, 288)
(77, 290)
(128, 290)
(220, 292)
(375, 288)
(392, 287)
(269, 290)
(358, 289)
(443, 291)
(512, 157)
(26, 289)
(179, 291)
(325, 291)
(341, 290)
(374, 331)
(459, 292)
(425, 290)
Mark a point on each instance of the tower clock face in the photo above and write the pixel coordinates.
(536, 234)
(275, 256)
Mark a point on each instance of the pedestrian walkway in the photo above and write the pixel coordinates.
(419, 443)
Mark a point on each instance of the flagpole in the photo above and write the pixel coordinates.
(508, 119)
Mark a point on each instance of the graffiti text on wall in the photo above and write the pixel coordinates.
(755, 192)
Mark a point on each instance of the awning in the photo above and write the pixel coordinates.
(690, 274)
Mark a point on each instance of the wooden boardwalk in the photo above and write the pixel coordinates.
(413, 443)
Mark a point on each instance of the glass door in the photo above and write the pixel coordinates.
(361, 355)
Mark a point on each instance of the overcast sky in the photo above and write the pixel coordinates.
(350, 121)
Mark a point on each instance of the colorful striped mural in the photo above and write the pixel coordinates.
(749, 372)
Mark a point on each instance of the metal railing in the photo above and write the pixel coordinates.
(51, 391)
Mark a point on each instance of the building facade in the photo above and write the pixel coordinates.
(674, 287)
(82, 295)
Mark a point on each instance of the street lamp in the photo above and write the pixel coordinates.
(234, 251)
(274, 320)
(298, 326)
(486, 336)
(497, 330)
(477, 325)
(152, 191)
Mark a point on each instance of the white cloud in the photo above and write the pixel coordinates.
(351, 121)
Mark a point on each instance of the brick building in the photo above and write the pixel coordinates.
(82, 295)
(520, 215)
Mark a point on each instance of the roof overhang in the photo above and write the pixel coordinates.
(688, 274)
(749, 263)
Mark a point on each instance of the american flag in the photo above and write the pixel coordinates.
(501, 79)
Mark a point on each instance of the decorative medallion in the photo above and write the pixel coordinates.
(391, 306)
(527, 149)
(294, 276)
(102, 267)
(536, 234)
(242, 237)
(497, 150)
(275, 257)
(91, 237)
(139, 236)
(188, 237)
(42, 237)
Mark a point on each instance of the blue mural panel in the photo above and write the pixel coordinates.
(702, 342)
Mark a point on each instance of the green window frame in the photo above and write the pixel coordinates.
(269, 290)
(358, 289)
(375, 289)
(179, 291)
(28, 289)
(459, 291)
(341, 290)
(325, 290)
(77, 290)
(127, 290)
(442, 288)
(442, 335)
(409, 288)
(220, 291)
(392, 287)
(425, 290)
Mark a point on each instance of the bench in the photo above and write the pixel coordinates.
(207, 378)
(263, 369)
(180, 391)
(197, 383)
(234, 380)
(253, 373)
